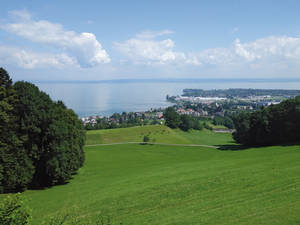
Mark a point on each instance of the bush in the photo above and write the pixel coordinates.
(206, 126)
(225, 121)
(146, 139)
(14, 211)
(198, 125)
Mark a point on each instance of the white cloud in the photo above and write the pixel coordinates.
(270, 48)
(266, 54)
(150, 51)
(144, 49)
(214, 56)
(265, 50)
(31, 60)
(83, 47)
(244, 52)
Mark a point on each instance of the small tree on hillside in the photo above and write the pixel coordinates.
(146, 139)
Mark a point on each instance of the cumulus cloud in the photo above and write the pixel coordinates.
(265, 52)
(30, 60)
(81, 47)
(274, 47)
(269, 53)
(150, 51)
(145, 49)
(214, 56)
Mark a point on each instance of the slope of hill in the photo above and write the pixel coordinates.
(157, 133)
(152, 184)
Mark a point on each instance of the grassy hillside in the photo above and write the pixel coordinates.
(157, 133)
(152, 184)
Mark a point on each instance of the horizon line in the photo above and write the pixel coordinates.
(170, 80)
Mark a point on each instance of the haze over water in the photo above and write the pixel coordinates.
(105, 98)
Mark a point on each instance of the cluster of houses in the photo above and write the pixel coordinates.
(157, 115)
(203, 100)
(212, 106)
(245, 107)
(90, 119)
(116, 117)
(191, 112)
(261, 100)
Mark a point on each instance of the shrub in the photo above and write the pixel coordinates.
(14, 211)
(206, 126)
(146, 139)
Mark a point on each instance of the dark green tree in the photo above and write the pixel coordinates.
(228, 122)
(41, 141)
(172, 117)
(52, 135)
(276, 124)
(186, 122)
(197, 125)
(65, 136)
(242, 126)
(16, 167)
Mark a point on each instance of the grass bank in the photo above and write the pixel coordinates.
(151, 184)
(157, 133)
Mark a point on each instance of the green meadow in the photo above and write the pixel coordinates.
(155, 184)
(158, 134)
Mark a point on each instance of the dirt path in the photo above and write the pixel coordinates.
(155, 143)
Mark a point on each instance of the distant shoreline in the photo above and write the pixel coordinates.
(173, 80)
(100, 97)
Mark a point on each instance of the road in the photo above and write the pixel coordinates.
(155, 143)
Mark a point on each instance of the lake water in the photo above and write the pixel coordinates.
(107, 97)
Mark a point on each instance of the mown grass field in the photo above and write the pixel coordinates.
(152, 184)
(157, 133)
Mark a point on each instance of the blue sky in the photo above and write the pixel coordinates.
(95, 40)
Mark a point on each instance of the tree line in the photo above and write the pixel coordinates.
(223, 120)
(239, 92)
(275, 124)
(184, 122)
(122, 120)
(41, 141)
